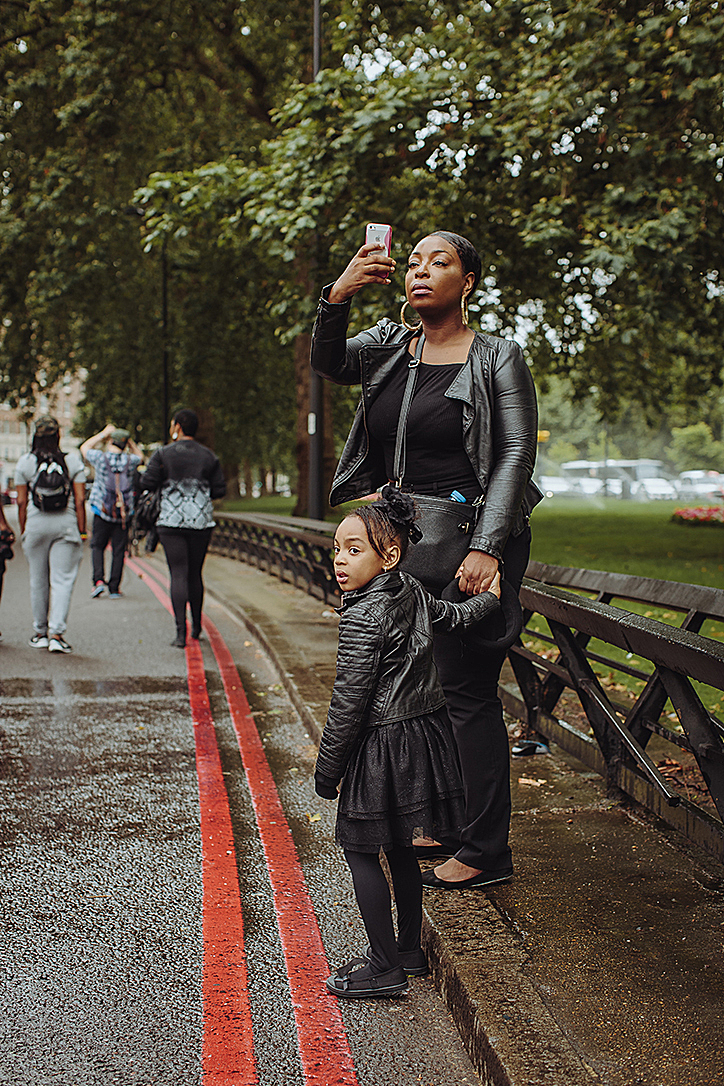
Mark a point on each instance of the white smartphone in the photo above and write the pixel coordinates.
(379, 233)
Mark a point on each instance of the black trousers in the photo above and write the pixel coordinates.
(185, 553)
(469, 676)
(373, 898)
(105, 532)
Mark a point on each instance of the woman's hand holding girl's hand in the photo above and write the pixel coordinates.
(370, 264)
(478, 573)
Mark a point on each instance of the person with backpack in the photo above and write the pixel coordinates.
(51, 513)
(111, 499)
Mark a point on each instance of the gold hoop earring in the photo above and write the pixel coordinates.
(464, 309)
(412, 327)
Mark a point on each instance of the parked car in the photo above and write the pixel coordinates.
(597, 478)
(700, 486)
(557, 486)
(656, 488)
(650, 479)
(644, 480)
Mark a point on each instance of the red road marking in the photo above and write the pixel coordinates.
(228, 1045)
(323, 1046)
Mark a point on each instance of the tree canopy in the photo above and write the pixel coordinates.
(579, 145)
(96, 97)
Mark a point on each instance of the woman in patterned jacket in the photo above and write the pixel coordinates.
(190, 477)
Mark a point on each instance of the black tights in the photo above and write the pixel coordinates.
(373, 897)
(185, 553)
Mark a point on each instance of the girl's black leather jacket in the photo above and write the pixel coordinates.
(385, 670)
(500, 417)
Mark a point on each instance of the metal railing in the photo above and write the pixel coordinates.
(578, 640)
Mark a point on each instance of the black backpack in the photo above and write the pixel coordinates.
(119, 492)
(50, 486)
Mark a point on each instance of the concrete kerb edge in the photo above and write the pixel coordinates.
(478, 1036)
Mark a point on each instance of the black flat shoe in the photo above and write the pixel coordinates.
(196, 634)
(364, 984)
(356, 963)
(178, 643)
(433, 852)
(430, 881)
(413, 962)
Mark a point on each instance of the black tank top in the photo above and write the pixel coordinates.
(436, 461)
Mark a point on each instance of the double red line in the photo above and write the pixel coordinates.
(228, 1044)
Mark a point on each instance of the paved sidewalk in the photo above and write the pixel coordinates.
(603, 960)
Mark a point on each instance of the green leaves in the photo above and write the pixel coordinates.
(579, 146)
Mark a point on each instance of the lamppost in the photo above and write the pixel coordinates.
(165, 408)
(315, 418)
(133, 209)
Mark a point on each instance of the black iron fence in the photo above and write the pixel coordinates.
(597, 679)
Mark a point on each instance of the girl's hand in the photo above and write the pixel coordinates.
(478, 573)
(494, 586)
(370, 264)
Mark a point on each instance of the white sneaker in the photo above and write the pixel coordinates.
(38, 641)
(59, 644)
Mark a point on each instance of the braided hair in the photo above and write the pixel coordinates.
(390, 519)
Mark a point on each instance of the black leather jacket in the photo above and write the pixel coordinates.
(500, 417)
(385, 670)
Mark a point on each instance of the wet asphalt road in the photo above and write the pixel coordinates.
(100, 884)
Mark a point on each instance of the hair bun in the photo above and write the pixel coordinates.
(400, 508)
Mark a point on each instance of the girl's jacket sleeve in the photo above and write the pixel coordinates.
(358, 660)
(449, 616)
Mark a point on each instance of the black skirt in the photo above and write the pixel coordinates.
(402, 782)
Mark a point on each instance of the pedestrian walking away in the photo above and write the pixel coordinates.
(190, 478)
(51, 514)
(7, 538)
(387, 737)
(450, 415)
(111, 500)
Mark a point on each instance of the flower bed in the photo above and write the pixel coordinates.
(702, 514)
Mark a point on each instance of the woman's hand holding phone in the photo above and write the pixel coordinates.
(370, 264)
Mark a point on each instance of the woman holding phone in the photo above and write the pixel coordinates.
(471, 433)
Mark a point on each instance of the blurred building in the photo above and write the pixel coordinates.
(16, 434)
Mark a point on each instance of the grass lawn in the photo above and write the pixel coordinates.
(275, 505)
(635, 538)
(627, 537)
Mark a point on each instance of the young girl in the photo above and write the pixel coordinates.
(387, 737)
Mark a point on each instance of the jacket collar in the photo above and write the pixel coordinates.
(461, 386)
(389, 582)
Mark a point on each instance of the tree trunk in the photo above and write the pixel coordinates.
(302, 372)
(248, 479)
(231, 474)
(205, 434)
(329, 459)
